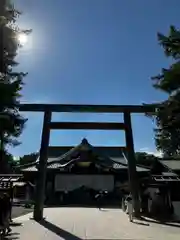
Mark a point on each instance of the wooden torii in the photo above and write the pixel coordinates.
(47, 109)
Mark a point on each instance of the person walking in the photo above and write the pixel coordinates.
(11, 195)
(7, 212)
(130, 207)
(99, 199)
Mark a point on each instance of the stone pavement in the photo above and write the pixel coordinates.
(90, 223)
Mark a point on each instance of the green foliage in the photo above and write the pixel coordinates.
(145, 159)
(29, 158)
(168, 80)
(171, 43)
(7, 162)
(11, 81)
(167, 134)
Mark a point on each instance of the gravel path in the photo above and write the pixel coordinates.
(91, 223)
(18, 211)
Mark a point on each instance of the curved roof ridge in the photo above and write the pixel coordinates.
(65, 164)
(26, 165)
(72, 150)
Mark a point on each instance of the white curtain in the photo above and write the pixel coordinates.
(97, 182)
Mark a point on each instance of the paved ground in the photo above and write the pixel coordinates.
(89, 223)
(18, 211)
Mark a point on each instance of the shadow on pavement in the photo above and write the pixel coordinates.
(162, 223)
(15, 224)
(58, 231)
(69, 236)
(141, 223)
(103, 210)
(12, 236)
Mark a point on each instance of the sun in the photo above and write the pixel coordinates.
(22, 38)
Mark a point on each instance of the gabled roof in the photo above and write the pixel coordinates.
(10, 177)
(7, 180)
(67, 156)
(111, 151)
(171, 164)
(73, 155)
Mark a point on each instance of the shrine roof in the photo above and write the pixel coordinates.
(171, 164)
(112, 157)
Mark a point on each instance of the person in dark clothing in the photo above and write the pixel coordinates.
(11, 202)
(1, 210)
(98, 198)
(5, 212)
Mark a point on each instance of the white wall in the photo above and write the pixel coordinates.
(70, 182)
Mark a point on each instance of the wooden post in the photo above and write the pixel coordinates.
(41, 176)
(133, 179)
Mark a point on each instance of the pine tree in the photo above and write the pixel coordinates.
(11, 81)
(167, 134)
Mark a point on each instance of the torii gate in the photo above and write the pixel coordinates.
(48, 125)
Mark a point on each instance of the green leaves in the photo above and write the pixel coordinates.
(11, 81)
(30, 158)
(171, 43)
(169, 79)
(167, 134)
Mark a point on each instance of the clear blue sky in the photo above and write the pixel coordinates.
(96, 52)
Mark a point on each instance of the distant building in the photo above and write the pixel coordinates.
(165, 179)
(172, 165)
(81, 171)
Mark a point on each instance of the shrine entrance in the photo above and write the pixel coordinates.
(48, 109)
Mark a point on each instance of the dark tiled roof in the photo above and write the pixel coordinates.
(30, 169)
(55, 166)
(100, 150)
(26, 165)
(107, 157)
(9, 179)
(120, 160)
(171, 164)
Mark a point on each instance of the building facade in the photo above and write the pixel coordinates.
(77, 174)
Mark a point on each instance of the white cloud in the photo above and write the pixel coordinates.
(145, 149)
(149, 151)
(37, 99)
